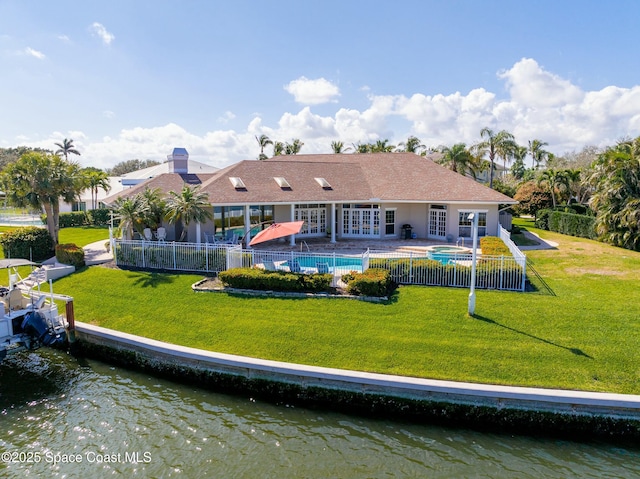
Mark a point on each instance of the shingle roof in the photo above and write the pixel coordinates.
(165, 182)
(353, 177)
(362, 177)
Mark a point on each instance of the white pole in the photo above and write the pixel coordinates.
(472, 293)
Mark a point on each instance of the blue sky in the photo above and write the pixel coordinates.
(133, 79)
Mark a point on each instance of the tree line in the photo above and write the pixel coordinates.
(605, 180)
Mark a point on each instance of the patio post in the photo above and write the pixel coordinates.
(292, 242)
(333, 223)
(472, 294)
(247, 225)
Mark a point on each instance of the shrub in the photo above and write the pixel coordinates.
(572, 224)
(260, 279)
(70, 254)
(29, 242)
(542, 219)
(100, 217)
(493, 246)
(76, 218)
(373, 282)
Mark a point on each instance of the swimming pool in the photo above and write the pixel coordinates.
(337, 261)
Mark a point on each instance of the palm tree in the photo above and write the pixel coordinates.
(576, 187)
(263, 141)
(130, 211)
(500, 144)
(518, 154)
(278, 148)
(41, 180)
(189, 205)
(616, 197)
(381, 146)
(155, 207)
(362, 148)
(294, 147)
(459, 159)
(338, 147)
(95, 179)
(538, 155)
(65, 148)
(412, 145)
(555, 180)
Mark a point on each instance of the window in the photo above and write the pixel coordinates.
(465, 225)
(314, 217)
(282, 182)
(390, 222)
(79, 206)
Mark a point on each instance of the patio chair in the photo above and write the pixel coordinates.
(323, 268)
(232, 238)
(161, 234)
(210, 238)
(270, 266)
(147, 234)
(294, 266)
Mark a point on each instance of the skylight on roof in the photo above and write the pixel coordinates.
(282, 182)
(322, 182)
(237, 183)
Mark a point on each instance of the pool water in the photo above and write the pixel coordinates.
(338, 261)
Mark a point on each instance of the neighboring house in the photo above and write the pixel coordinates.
(119, 183)
(368, 196)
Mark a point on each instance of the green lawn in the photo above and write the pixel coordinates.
(581, 333)
(82, 235)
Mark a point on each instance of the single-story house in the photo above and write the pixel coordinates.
(360, 195)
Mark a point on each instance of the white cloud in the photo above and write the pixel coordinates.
(312, 92)
(34, 53)
(64, 38)
(227, 117)
(530, 85)
(108, 114)
(97, 29)
(565, 116)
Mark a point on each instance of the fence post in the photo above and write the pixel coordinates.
(175, 260)
(501, 271)
(410, 267)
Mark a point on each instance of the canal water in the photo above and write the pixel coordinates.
(67, 418)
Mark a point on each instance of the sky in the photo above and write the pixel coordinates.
(132, 79)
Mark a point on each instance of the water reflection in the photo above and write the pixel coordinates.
(53, 404)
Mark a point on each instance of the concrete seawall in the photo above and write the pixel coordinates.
(516, 409)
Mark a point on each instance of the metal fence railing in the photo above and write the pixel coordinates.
(492, 272)
(518, 255)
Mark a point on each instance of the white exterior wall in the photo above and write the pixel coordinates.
(492, 217)
(415, 214)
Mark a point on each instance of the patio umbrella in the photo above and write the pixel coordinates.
(277, 230)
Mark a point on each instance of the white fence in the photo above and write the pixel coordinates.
(495, 272)
(205, 258)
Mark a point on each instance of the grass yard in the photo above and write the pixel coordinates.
(582, 334)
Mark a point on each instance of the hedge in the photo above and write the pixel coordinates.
(263, 280)
(30, 242)
(572, 224)
(373, 282)
(99, 217)
(494, 246)
(70, 254)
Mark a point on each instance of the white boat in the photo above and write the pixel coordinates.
(29, 317)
